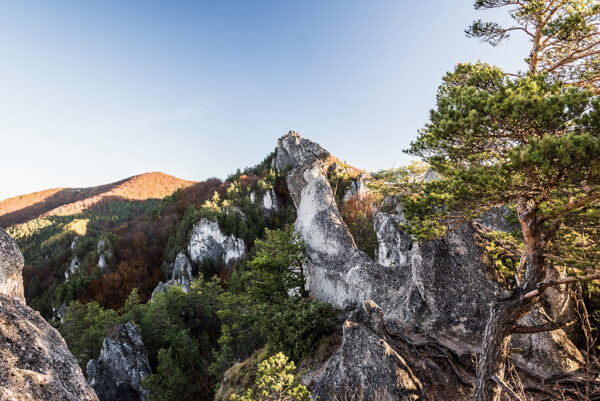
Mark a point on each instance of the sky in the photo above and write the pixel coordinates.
(94, 92)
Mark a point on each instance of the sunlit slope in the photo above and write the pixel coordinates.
(65, 201)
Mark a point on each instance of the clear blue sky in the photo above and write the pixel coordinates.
(92, 92)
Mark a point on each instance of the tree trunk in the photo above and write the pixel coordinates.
(506, 313)
(503, 318)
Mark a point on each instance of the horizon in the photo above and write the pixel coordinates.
(95, 93)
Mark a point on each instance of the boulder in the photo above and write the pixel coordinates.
(36, 363)
(123, 363)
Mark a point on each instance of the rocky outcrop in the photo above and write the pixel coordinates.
(11, 268)
(104, 254)
(75, 263)
(36, 363)
(208, 242)
(358, 187)
(394, 246)
(269, 203)
(123, 363)
(181, 275)
(365, 364)
(441, 289)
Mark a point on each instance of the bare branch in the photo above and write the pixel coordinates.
(540, 328)
(541, 287)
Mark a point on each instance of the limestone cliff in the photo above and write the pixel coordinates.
(436, 291)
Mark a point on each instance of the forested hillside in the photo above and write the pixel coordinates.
(67, 201)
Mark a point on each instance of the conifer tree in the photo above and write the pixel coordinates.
(528, 139)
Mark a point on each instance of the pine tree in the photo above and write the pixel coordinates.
(528, 139)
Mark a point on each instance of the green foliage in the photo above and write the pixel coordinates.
(172, 379)
(266, 303)
(275, 382)
(84, 328)
(255, 170)
(276, 268)
(563, 33)
(495, 139)
(296, 327)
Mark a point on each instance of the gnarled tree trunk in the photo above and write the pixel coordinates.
(507, 312)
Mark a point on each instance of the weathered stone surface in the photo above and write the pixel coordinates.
(393, 245)
(549, 353)
(36, 364)
(365, 364)
(123, 363)
(441, 289)
(72, 267)
(269, 202)
(497, 219)
(11, 267)
(208, 242)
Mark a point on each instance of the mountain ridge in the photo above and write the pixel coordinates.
(62, 201)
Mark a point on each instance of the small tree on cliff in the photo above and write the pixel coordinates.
(533, 141)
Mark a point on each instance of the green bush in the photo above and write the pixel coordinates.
(296, 327)
(275, 382)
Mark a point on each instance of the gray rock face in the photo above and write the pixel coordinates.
(11, 267)
(36, 363)
(72, 267)
(496, 219)
(123, 363)
(104, 253)
(181, 275)
(365, 364)
(442, 289)
(269, 202)
(60, 313)
(394, 245)
(208, 242)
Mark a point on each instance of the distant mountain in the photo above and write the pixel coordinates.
(66, 201)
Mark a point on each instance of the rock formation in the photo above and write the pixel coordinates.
(36, 363)
(208, 242)
(440, 290)
(269, 203)
(366, 364)
(104, 253)
(123, 363)
(181, 275)
(11, 267)
(72, 267)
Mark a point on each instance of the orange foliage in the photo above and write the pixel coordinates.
(139, 251)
